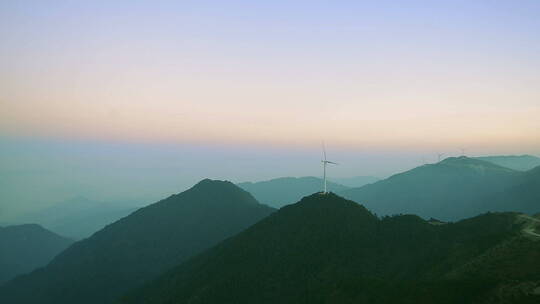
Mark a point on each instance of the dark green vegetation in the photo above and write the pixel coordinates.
(287, 190)
(452, 189)
(516, 162)
(326, 249)
(24, 248)
(79, 217)
(140, 246)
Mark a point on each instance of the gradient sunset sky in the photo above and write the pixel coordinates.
(371, 77)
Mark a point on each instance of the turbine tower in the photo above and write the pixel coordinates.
(439, 156)
(325, 162)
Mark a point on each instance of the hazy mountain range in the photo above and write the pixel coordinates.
(325, 249)
(356, 181)
(516, 162)
(215, 243)
(79, 217)
(140, 246)
(24, 248)
(455, 188)
(287, 190)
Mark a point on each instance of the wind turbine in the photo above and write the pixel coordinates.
(439, 156)
(325, 162)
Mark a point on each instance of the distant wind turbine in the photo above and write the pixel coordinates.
(463, 151)
(439, 156)
(325, 162)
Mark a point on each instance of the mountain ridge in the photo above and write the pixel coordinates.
(517, 162)
(326, 249)
(452, 189)
(78, 217)
(26, 247)
(282, 191)
(140, 246)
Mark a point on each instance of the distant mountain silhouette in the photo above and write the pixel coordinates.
(326, 249)
(282, 191)
(516, 162)
(24, 248)
(140, 246)
(523, 195)
(356, 181)
(79, 217)
(455, 188)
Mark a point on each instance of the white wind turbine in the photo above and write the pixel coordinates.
(325, 162)
(439, 156)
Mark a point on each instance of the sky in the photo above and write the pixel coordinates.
(162, 93)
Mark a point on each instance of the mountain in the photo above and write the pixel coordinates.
(79, 217)
(282, 191)
(326, 249)
(516, 162)
(455, 188)
(140, 246)
(356, 181)
(523, 195)
(24, 248)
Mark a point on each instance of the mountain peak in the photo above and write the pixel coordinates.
(213, 183)
(459, 159)
(287, 190)
(27, 247)
(328, 205)
(324, 198)
(29, 228)
(141, 245)
(455, 188)
(326, 249)
(218, 190)
(471, 162)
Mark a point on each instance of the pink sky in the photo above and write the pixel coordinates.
(427, 76)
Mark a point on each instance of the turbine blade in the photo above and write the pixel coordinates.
(329, 162)
(324, 150)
